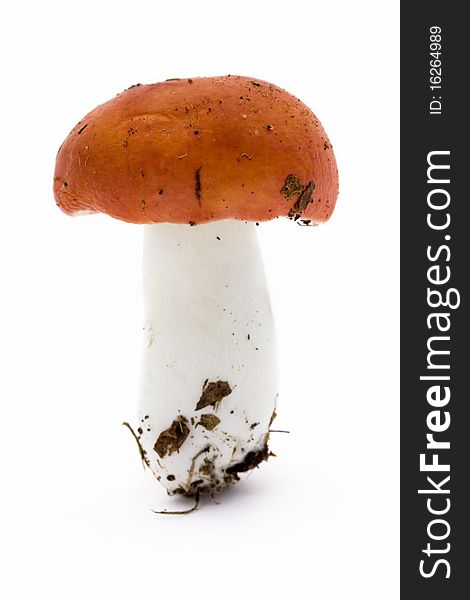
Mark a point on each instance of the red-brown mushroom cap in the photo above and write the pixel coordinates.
(198, 150)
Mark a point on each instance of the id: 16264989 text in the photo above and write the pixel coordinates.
(435, 69)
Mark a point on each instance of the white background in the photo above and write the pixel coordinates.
(321, 519)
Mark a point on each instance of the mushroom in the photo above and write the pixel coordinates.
(199, 162)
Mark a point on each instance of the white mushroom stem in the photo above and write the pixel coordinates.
(209, 339)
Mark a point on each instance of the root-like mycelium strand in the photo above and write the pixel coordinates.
(209, 380)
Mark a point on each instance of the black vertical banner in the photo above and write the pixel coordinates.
(435, 274)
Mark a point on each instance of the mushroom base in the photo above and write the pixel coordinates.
(210, 481)
(209, 377)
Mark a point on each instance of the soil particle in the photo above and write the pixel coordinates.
(251, 460)
(207, 468)
(212, 393)
(170, 440)
(292, 187)
(209, 421)
(304, 199)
